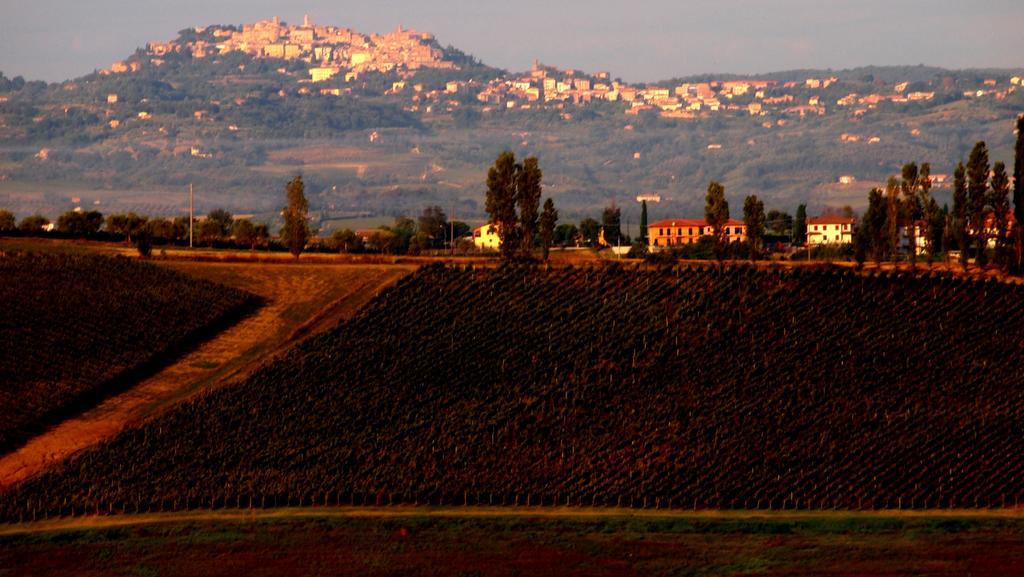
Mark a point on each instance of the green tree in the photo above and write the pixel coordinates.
(800, 226)
(528, 198)
(716, 214)
(383, 240)
(402, 232)
(861, 242)
(548, 222)
(209, 232)
(977, 195)
(244, 233)
(295, 233)
(566, 234)
(80, 223)
(779, 223)
(892, 217)
(929, 210)
(961, 213)
(940, 220)
(999, 201)
(33, 224)
(754, 219)
(159, 228)
(910, 209)
(433, 223)
(125, 224)
(590, 230)
(873, 226)
(502, 179)
(611, 224)
(262, 234)
(346, 240)
(7, 222)
(461, 229)
(643, 222)
(180, 224)
(1018, 195)
(224, 221)
(144, 242)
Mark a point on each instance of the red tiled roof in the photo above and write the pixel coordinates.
(688, 222)
(830, 220)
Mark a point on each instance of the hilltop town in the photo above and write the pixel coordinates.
(328, 49)
(338, 53)
(386, 123)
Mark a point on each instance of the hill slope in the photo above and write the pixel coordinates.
(383, 141)
(75, 328)
(733, 388)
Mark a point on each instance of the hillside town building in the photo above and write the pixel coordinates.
(670, 233)
(825, 230)
(486, 237)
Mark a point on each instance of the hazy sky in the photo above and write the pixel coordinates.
(633, 39)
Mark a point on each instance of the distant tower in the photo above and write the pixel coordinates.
(305, 21)
(277, 20)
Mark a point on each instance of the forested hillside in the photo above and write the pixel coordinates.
(692, 387)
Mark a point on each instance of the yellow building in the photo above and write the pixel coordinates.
(319, 74)
(486, 237)
(829, 230)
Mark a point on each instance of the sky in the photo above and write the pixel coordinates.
(636, 40)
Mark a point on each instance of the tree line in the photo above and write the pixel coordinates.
(513, 202)
(982, 224)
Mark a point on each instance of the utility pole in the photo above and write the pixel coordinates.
(191, 217)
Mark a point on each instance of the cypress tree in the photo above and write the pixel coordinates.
(548, 221)
(800, 226)
(295, 231)
(999, 200)
(892, 217)
(716, 214)
(753, 219)
(528, 197)
(643, 221)
(1018, 193)
(960, 212)
(502, 179)
(977, 196)
(874, 225)
(910, 186)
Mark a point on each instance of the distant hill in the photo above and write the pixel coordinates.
(385, 124)
(705, 387)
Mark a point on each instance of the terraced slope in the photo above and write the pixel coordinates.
(76, 328)
(696, 387)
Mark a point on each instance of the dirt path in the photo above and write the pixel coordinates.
(301, 300)
(89, 522)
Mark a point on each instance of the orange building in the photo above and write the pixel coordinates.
(677, 232)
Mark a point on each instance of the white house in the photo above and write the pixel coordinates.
(486, 237)
(829, 230)
(919, 239)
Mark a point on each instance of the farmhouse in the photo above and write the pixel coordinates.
(920, 242)
(486, 237)
(677, 232)
(829, 230)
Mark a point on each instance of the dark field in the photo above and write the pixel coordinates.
(523, 545)
(75, 328)
(722, 389)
